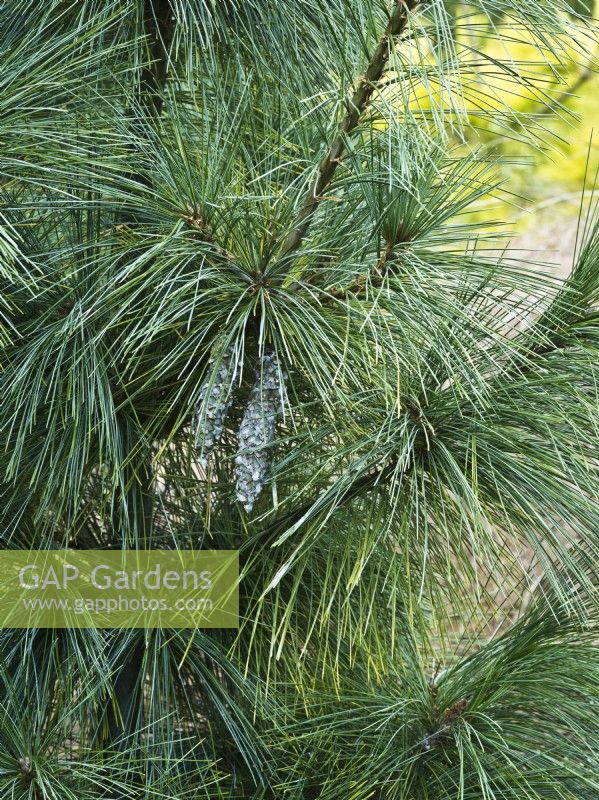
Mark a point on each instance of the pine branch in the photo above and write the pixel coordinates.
(356, 107)
(120, 712)
(568, 94)
(158, 28)
(137, 501)
(381, 268)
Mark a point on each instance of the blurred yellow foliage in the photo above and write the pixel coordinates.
(546, 163)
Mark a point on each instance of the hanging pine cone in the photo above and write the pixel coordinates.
(214, 401)
(258, 429)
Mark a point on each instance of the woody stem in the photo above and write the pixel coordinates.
(356, 105)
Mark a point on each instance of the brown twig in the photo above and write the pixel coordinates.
(380, 270)
(443, 722)
(557, 102)
(356, 106)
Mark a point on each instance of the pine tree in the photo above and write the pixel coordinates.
(249, 302)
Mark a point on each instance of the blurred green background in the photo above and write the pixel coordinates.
(543, 177)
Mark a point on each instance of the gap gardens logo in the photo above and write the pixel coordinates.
(119, 589)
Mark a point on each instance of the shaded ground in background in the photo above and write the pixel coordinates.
(550, 238)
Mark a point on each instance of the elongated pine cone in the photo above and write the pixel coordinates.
(257, 430)
(214, 401)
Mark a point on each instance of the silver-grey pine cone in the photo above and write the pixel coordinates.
(257, 430)
(214, 401)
